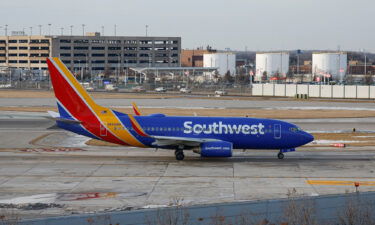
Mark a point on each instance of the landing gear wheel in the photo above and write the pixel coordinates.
(280, 155)
(179, 155)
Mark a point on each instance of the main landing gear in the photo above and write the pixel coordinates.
(179, 153)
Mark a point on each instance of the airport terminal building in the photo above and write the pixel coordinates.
(91, 52)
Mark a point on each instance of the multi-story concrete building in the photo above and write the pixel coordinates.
(92, 52)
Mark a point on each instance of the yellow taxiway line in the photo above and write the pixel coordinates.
(340, 182)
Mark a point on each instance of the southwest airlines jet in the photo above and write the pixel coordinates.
(207, 136)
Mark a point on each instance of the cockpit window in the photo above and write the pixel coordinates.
(295, 129)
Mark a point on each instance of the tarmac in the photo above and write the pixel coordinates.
(46, 171)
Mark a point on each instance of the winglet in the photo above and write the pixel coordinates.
(135, 109)
(137, 127)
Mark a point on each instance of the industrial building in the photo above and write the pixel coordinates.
(329, 65)
(224, 61)
(271, 64)
(93, 53)
(194, 57)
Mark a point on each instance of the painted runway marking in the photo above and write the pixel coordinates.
(340, 182)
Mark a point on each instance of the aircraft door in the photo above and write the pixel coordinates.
(277, 131)
(103, 130)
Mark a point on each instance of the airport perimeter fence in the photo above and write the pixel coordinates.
(315, 91)
(195, 88)
(354, 208)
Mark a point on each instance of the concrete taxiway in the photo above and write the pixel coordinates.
(46, 171)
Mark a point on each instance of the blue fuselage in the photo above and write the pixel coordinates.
(243, 133)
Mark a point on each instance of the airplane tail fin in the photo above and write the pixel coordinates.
(72, 99)
(76, 106)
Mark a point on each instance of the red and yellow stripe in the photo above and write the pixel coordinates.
(135, 109)
(80, 104)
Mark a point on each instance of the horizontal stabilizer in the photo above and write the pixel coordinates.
(56, 116)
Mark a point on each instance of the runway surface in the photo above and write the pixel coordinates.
(40, 164)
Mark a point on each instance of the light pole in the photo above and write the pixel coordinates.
(71, 30)
(40, 30)
(31, 31)
(83, 29)
(146, 30)
(115, 29)
(118, 68)
(365, 62)
(79, 68)
(6, 29)
(49, 29)
(298, 52)
(103, 30)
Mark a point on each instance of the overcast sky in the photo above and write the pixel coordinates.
(236, 24)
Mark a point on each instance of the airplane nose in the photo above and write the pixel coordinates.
(307, 138)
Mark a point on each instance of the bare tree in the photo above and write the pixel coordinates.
(356, 212)
(174, 215)
(264, 76)
(9, 217)
(299, 212)
(368, 79)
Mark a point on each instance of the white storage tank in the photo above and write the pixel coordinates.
(225, 61)
(272, 63)
(330, 64)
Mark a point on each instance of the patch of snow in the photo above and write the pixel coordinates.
(41, 198)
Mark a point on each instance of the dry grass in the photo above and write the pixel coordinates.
(345, 136)
(258, 113)
(366, 139)
(26, 94)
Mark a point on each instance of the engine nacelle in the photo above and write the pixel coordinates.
(216, 149)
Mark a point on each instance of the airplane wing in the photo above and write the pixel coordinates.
(170, 140)
(165, 140)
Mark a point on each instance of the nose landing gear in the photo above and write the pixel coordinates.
(280, 155)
